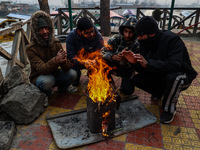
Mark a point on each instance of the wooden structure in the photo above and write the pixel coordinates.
(184, 23)
(62, 16)
(21, 39)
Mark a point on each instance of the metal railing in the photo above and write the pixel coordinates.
(189, 23)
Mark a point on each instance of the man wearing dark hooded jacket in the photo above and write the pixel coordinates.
(86, 37)
(163, 65)
(125, 40)
(49, 64)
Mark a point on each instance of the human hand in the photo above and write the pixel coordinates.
(90, 62)
(61, 56)
(118, 57)
(141, 60)
(129, 56)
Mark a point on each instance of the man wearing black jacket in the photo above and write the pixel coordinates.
(163, 65)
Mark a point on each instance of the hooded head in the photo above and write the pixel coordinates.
(146, 25)
(38, 20)
(148, 32)
(130, 24)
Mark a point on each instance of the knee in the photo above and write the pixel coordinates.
(45, 83)
(73, 74)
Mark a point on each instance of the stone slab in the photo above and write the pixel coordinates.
(72, 130)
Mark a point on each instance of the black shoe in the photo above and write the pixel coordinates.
(155, 98)
(167, 117)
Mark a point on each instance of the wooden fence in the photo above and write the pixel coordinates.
(182, 23)
(21, 39)
(63, 17)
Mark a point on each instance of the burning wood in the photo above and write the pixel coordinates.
(105, 123)
(101, 100)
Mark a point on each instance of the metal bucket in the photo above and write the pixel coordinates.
(94, 116)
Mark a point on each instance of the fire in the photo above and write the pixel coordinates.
(105, 123)
(98, 86)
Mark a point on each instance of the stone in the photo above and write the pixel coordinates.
(24, 103)
(15, 77)
(6, 134)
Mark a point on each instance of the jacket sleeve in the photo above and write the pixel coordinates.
(39, 65)
(71, 49)
(99, 42)
(67, 65)
(109, 50)
(173, 61)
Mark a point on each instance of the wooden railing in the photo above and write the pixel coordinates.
(58, 18)
(21, 39)
(182, 23)
(84, 12)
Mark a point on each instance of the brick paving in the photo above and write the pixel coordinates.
(181, 134)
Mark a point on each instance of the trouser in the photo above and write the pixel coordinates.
(62, 79)
(78, 69)
(166, 86)
(126, 74)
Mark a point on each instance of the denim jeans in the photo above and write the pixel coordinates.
(62, 79)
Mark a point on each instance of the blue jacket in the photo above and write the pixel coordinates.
(75, 43)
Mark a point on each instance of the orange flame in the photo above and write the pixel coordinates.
(98, 86)
(105, 123)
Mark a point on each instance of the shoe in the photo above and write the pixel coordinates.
(155, 98)
(72, 89)
(167, 117)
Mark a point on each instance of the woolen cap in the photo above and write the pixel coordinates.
(146, 25)
(42, 22)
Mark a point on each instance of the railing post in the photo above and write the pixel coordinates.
(171, 14)
(22, 52)
(28, 31)
(164, 18)
(59, 22)
(84, 13)
(196, 21)
(138, 14)
(70, 15)
(1, 75)
(15, 49)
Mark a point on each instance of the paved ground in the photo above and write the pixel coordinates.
(182, 134)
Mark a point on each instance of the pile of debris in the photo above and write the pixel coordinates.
(20, 103)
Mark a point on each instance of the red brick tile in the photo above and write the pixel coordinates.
(130, 139)
(42, 131)
(113, 145)
(67, 101)
(139, 141)
(198, 133)
(131, 134)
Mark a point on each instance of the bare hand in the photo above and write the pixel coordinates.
(141, 60)
(118, 57)
(90, 62)
(129, 55)
(61, 56)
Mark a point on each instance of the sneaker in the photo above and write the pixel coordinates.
(155, 98)
(167, 117)
(72, 89)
